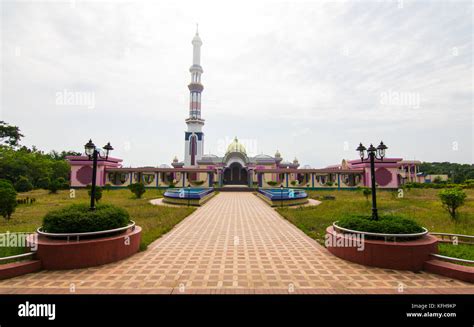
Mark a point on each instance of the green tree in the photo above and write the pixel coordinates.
(23, 184)
(138, 189)
(7, 201)
(452, 199)
(10, 135)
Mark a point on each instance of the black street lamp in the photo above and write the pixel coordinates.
(372, 154)
(94, 153)
(281, 196)
(189, 190)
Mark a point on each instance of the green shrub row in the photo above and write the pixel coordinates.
(385, 225)
(467, 185)
(78, 218)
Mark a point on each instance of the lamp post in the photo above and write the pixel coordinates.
(94, 153)
(189, 190)
(372, 154)
(281, 196)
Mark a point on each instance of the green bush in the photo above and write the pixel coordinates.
(23, 184)
(7, 201)
(107, 187)
(272, 183)
(78, 218)
(366, 191)
(6, 183)
(98, 193)
(43, 183)
(452, 199)
(385, 224)
(62, 183)
(138, 189)
(198, 183)
(54, 186)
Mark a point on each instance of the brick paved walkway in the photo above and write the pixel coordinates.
(234, 244)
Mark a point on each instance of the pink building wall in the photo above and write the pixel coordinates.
(81, 170)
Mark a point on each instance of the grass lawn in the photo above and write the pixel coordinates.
(422, 205)
(155, 220)
(461, 251)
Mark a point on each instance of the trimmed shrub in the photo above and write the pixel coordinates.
(98, 193)
(138, 189)
(272, 183)
(23, 184)
(366, 191)
(62, 183)
(452, 199)
(54, 186)
(7, 201)
(385, 224)
(78, 218)
(43, 183)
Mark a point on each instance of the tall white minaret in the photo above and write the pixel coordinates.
(194, 137)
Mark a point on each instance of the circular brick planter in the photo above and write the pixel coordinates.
(57, 254)
(406, 255)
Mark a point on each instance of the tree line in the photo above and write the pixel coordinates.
(458, 173)
(28, 168)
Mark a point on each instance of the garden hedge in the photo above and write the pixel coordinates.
(78, 218)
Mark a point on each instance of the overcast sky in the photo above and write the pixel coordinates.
(308, 79)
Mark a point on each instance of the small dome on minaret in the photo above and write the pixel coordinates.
(277, 154)
(175, 159)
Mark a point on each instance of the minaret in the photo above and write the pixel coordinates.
(194, 137)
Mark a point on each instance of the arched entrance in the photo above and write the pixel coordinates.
(235, 174)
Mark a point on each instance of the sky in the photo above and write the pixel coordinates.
(311, 79)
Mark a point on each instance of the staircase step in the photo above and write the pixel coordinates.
(448, 269)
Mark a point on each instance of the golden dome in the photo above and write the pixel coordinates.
(235, 146)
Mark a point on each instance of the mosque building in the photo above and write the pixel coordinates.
(236, 168)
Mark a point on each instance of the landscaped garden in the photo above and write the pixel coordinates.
(421, 205)
(154, 220)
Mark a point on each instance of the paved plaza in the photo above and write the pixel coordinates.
(235, 243)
